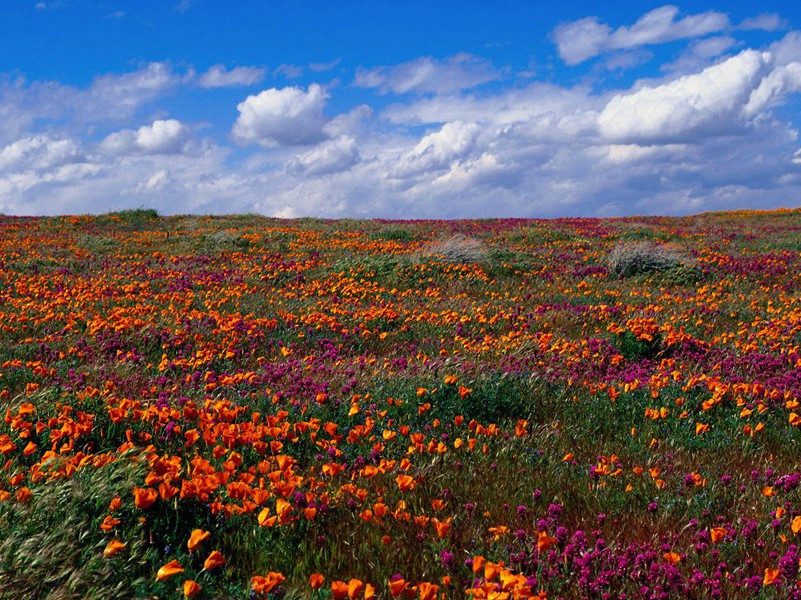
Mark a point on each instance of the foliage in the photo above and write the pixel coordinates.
(245, 407)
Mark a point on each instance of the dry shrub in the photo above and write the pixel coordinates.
(626, 260)
(458, 249)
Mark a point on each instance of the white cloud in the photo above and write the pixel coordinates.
(783, 80)
(700, 54)
(580, 40)
(438, 150)
(38, 152)
(161, 137)
(424, 75)
(701, 104)
(765, 22)
(218, 76)
(330, 156)
(282, 117)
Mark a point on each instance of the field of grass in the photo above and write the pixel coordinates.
(243, 407)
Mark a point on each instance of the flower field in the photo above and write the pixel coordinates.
(243, 407)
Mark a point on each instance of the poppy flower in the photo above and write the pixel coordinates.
(196, 538)
(771, 575)
(265, 585)
(191, 588)
(171, 568)
(144, 497)
(108, 523)
(113, 547)
(355, 589)
(339, 590)
(316, 581)
(427, 591)
(214, 560)
(405, 482)
(397, 587)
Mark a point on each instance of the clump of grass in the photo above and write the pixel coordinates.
(221, 240)
(458, 249)
(627, 260)
(393, 234)
(52, 546)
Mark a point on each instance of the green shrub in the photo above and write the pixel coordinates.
(627, 260)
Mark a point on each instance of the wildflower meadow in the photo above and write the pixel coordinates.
(244, 407)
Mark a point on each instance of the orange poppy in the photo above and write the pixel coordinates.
(113, 547)
(214, 560)
(171, 568)
(196, 538)
(191, 588)
(144, 497)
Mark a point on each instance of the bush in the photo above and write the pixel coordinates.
(458, 249)
(627, 260)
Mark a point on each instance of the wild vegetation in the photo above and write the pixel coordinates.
(243, 407)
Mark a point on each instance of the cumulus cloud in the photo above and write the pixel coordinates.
(218, 76)
(331, 156)
(286, 116)
(704, 103)
(110, 98)
(424, 75)
(581, 40)
(161, 137)
(38, 152)
(439, 149)
(778, 83)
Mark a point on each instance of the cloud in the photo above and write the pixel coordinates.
(282, 117)
(439, 149)
(161, 137)
(699, 54)
(783, 80)
(765, 22)
(39, 152)
(425, 75)
(218, 76)
(581, 40)
(331, 156)
(702, 104)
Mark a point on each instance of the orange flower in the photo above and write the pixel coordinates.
(115, 504)
(397, 587)
(113, 547)
(191, 588)
(196, 538)
(442, 527)
(796, 524)
(478, 562)
(355, 589)
(339, 590)
(427, 591)
(717, 534)
(265, 585)
(144, 497)
(771, 575)
(214, 560)
(171, 568)
(671, 557)
(316, 581)
(108, 523)
(405, 482)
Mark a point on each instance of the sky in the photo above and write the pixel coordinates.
(401, 110)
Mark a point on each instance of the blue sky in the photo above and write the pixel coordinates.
(399, 110)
